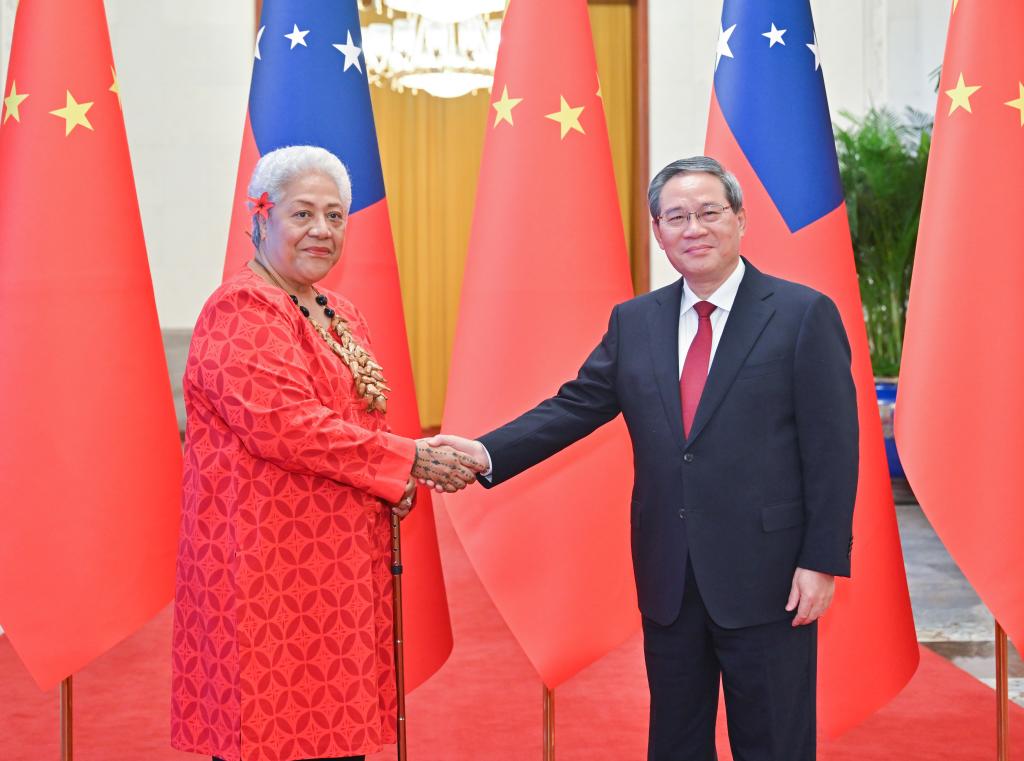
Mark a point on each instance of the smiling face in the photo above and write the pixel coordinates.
(704, 254)
(304, 233)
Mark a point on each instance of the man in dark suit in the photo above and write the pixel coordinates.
(737, 392)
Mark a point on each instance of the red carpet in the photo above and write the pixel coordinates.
(485, 704)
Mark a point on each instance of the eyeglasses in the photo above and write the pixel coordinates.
(677, 219)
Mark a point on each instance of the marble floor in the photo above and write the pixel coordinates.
(950, 618)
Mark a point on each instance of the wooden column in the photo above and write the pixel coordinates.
(641, 243)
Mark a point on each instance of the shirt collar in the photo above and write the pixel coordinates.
(723, 297)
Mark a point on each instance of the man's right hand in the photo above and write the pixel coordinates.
(445, 468)
(473, 450)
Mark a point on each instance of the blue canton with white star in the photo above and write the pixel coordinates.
(301, 93)
(773, 99)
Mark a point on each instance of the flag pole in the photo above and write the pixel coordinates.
(396, 586)
(66, 745)
(549, 723)
(1002, 696)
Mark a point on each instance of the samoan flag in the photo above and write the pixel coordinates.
(309, 87)
(769, 124)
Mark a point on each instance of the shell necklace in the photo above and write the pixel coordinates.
(367, 375)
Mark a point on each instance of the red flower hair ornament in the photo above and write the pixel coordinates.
(261, 205)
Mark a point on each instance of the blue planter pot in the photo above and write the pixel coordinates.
(885, 390)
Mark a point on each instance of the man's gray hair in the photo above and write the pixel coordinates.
(277, 168)
(693, 165)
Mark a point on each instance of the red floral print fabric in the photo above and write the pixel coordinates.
(282, 645)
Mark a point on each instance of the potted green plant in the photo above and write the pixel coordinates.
(882, 163)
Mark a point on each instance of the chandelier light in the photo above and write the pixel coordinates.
(447, 48)
(448, 11)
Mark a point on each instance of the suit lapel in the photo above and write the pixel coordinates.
(749, 314)
(663, 322)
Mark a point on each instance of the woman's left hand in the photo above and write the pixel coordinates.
(404, 506)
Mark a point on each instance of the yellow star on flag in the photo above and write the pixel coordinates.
(567, 118)
(960, 96)
(598, 93)
(115, 87)
(73, 114)
(1019, 103)
(12, 101)
(955, 4)
(503, 107)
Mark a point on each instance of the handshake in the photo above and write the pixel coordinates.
(449, 463)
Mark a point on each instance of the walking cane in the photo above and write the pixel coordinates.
(396, 585)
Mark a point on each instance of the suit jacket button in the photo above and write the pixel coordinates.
(688, 457)
(682, 512)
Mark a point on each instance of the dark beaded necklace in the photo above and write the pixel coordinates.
(367, 375)
(320, 299)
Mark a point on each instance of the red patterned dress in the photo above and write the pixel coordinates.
(282, 645)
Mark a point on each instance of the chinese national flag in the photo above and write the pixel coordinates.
(960, 405)
(319, 95)
(547, 261)
(90, 459)
(769, 124)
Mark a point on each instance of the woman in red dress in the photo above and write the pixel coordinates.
(282, 645)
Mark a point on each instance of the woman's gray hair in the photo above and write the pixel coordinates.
(692, 165)
(277, 168)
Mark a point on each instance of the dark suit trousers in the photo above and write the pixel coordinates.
(768, 673)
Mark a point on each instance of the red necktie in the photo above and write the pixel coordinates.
(695, 368)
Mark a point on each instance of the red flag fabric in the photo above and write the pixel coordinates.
(90, 460)
(960, 408)
(321, 97)
(547, 261)
(769, 124)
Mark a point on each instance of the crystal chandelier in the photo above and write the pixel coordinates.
(447, 48)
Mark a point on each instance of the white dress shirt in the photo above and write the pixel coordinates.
(722, 298)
